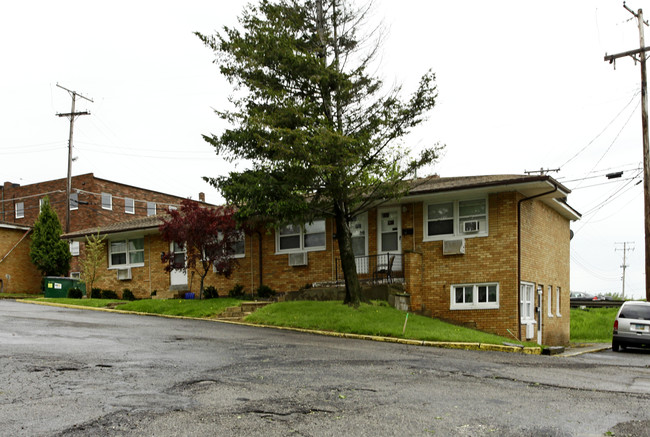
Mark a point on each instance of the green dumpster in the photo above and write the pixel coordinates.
(58, 287)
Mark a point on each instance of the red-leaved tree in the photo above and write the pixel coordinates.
(208, 236)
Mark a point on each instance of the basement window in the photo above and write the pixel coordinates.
(475, 296)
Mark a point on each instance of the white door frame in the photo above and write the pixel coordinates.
(361, 219)
(396, 226)
(177, 277)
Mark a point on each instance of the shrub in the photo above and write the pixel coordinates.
(75, 293)
(127, 294)
(96, 293)
(210, 292)
(109, 294)
(236, 291)
(265, 291)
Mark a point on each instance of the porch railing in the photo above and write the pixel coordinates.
(380, 268)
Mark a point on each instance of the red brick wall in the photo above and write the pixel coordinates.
(17, 273)
(90, 213)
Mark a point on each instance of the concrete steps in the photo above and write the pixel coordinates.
(239, 312)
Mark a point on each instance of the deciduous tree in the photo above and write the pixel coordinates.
(93, 263)
(208, 236)
(320, 135)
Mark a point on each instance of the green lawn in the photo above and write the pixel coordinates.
(369, 319)
(172, 307)
(592, 325)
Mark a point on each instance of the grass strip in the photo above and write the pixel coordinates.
(369, 319)
(592, 325)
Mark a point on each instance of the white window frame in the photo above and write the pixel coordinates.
(75, 275)
(74, 248)
(74, 200)
(241, 242)
(20, 210)
(474, 304)
(129, 205)
(40, 205)
(458, 220)
(558, 301)
(549, 301)
(107, 201)
(151, 208)
(128, 253)
(302, 232)
(527, 302)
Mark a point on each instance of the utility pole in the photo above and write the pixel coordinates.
(624, 266)
(71, 115)
(640, 55)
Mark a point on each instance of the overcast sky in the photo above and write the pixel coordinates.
(522, 86)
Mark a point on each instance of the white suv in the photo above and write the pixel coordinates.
(632, 326)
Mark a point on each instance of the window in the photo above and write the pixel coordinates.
(20, 210)
(107, 201)
(462, 218)
(297, 238)
(75, 275)
(74, 201)
(129, 205)
(151, 208)
(474, 296)
(125, 253)
(549, 301)
(558, 301)
(527, 302)
(240, 246)
(40, 205)
(74, 248)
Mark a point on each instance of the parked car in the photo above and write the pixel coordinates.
(579, 295)
(632, 326)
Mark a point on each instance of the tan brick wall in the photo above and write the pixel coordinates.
(545, 261)
(486, 259)
(17, 273)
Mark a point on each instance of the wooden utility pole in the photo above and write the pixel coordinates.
(624, 265)
(639, 55)
(71, 115)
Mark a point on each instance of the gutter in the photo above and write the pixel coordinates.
(556, 187)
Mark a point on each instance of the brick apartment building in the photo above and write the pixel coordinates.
(490, 252)
(94, 203)
(17, 273)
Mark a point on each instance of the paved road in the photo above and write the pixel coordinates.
(77, 372)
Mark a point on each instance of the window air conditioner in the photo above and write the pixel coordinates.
(471, 226)
(298, 259)
(530, 331)
(453, 247)
(124, 274)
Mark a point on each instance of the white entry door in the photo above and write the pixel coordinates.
(389, 239)
(359, 231)
(178, 277)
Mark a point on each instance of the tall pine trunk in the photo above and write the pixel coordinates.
(348, 265)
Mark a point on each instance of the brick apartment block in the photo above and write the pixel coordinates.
(489, 252)
(17, 273)
(95, 203)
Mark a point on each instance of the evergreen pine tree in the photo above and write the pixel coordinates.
(48, 252)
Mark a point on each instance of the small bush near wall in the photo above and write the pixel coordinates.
(96, 293)
(109, 294)
(237, 291)
(127, 294)
(265, 291)
(210, 292)
(75, 293)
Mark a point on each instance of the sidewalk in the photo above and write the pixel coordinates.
(584, 348)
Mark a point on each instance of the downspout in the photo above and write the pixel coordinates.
(519, 251)
(259, 239)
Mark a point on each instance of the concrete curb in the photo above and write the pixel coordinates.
(439, 344)
(574, 352)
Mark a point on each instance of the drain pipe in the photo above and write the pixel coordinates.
(519, 251)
